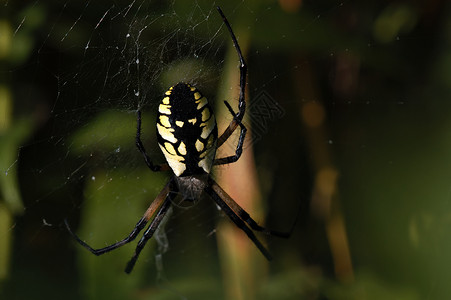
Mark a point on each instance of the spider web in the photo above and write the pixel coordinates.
(80, 70)
(97, 63)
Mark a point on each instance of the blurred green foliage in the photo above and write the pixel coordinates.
(381, 70)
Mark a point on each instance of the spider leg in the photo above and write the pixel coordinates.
(139, 226)
(139, 144)
(150, 231)
(239, 222)
(243, 71)
(239, 147)
(241, 213)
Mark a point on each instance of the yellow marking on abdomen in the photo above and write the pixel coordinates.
(179, 123)
(205, 114)
(201, 102)
(165, 100)
(169, 148)
(166, 133)
(199, 146)
(210, 142)
(164, 120)
(208, 127)
(182, 148)
(164, 109)
(175, 162)
(207, 159)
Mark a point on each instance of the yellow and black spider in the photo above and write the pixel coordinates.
(188, 137)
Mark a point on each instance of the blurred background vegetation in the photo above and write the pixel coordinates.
(355, 145)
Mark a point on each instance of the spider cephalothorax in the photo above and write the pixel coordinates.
(188, 137)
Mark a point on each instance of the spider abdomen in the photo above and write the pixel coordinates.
(187, 130)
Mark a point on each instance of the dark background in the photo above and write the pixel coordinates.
(349, 108)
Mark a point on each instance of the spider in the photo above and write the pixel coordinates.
(188, 137)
